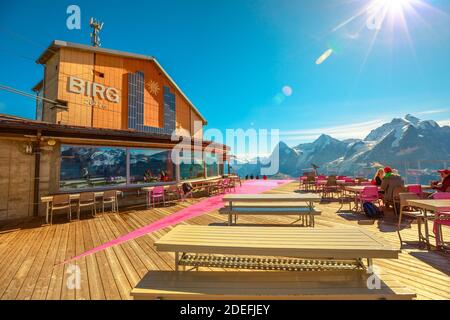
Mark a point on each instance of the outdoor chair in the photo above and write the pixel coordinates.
(441, 219)
(110, 197)
(330, 187)
(61, 202)
(395, 201)
(173, 193)
(406, 210)
(369, 194)
(158, 193)
(310, 182)
(415, 188)
(87, 199)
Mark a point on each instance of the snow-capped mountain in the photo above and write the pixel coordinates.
(402, 140)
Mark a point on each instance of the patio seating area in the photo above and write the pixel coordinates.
(32, 252)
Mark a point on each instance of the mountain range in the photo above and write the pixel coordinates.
(400, 143)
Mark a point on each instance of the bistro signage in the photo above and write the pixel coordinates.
(92, 89)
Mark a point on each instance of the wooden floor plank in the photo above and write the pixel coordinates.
(29, 252)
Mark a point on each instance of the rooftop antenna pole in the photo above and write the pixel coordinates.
(96, 26)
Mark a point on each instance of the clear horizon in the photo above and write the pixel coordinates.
(303, 67)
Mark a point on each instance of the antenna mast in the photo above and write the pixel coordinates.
(96, 26)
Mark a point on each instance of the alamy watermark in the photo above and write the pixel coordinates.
(248, 144)
(73, 281)
(374, 280)
(73, 21)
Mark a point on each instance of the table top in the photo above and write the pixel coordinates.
(299, 197)
(75, 196)
(357, 188)
(331, 243)
(430, 204)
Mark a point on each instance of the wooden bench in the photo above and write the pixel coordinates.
(305, 214)
(329, 285)
(272, 204)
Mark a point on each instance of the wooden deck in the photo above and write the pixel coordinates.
(29, 252)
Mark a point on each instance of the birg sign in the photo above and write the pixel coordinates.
(92, 89)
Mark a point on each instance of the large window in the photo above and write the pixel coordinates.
(92, 167)
(192, 167)
(212, 165)
(151, 166)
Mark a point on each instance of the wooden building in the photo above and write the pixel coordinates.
(104, 120)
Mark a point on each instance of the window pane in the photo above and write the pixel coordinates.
(211, 165)
(92, 167)
(193, 167)
(151, 166)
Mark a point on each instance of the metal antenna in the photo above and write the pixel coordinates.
(96, 26)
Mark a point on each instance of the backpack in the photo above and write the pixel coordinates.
(371, 210)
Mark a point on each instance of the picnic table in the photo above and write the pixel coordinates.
(342, 244)
(336, 253)
(425, 206)
(271, 204)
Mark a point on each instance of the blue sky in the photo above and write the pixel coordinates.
(233, 58)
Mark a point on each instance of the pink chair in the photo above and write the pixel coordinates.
(415, 188)
(369, 194)
(441, 196)
(157, 193)
(441, 219)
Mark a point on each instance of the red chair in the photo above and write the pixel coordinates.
(415, 188)
(159, 194)
(369, 194)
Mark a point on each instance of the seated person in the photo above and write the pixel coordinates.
(391, 180)
(378, 178)
(444, 184)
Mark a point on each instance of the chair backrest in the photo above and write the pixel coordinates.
(404, 196)
(157, 191)
(441, 196)
(415, 188)
(370, 191)
(61, 199)
(110, 194)
(173, 189)
(332, 181)
(397, 190)
(87, 197)
(321, 177)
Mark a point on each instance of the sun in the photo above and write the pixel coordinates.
(392, 8)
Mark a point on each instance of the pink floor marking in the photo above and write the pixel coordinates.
(198, 209)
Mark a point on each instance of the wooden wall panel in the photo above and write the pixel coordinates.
(51, 87)
(183, 116)
(78, 64)
(112, 71)
(197, 134)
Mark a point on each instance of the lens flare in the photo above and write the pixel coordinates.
(324, 56)
(287, 91)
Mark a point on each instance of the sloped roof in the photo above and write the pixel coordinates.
(58, 44)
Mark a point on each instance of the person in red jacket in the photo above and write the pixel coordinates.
(444, 184)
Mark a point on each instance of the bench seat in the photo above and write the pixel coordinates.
(332, 285)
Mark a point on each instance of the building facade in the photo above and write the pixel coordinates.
(104, 120)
